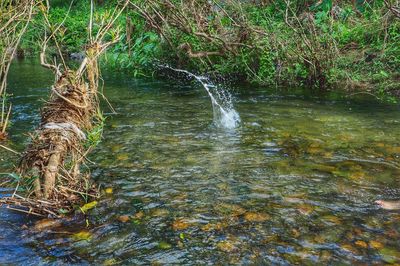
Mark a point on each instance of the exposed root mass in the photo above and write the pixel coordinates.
(56, 207)
(50, 167)
(51, 163)
(59, 139)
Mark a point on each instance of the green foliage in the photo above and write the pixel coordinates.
(314, 43)
(22, 183)
(266, 70)
(94, 136)
(143, 52)
(74, 34)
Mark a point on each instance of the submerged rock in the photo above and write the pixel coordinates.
(390, 255)
(214, 226)
(180, 224)
(305, 209)
(83, 235)
(123, 157)
(226, 246)
(361, 244)
(123, 218)
(164, 245)
(375, 244)
(256, 217)
(47, 224)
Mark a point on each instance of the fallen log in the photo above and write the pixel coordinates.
(50, 167)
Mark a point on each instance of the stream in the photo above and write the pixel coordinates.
(293, 183)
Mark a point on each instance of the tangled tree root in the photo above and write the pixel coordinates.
(58, 206)
(50, 166)
(59, 139)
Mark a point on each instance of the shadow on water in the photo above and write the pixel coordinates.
(295, 183)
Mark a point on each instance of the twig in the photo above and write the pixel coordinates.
(28, 212)
(363, 92)
(69, 101)
(9, 149)
(3, 130)
(79, 192)
(5, 182)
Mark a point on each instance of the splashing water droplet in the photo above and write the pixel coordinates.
(225, 116)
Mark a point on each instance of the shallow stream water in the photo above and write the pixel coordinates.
(294, 183)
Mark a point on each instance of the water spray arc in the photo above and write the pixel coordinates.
(225, 116)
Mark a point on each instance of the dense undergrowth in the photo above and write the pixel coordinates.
(320, 44)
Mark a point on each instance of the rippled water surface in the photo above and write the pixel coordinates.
(294, 183)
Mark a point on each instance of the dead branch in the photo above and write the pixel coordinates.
(394, 8)
(44, 63)
(188, 48)
(191, 18)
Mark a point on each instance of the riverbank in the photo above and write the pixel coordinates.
(325, 46)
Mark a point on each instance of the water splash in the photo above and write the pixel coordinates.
(225, 116)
